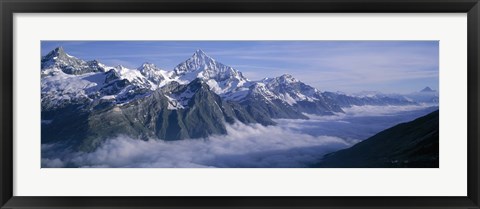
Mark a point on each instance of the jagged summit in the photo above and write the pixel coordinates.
(154, 74)
(94, 61)
(204, 58)
(122, 68)
(148, 65)
(427, 89)
(198, 61)
(292, 89)
(285, 79)
(201, 53)
(148, 68)
(59, 50)
(58, 60)
(288, 78)
(54, 54)
(221, 78)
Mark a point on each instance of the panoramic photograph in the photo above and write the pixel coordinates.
(239, 104)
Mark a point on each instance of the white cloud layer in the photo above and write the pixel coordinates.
(244, 146)
(292, 143)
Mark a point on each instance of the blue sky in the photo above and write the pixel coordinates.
(348, 66)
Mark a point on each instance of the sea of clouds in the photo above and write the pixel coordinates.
(291, 143)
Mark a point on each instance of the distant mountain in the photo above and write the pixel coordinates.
(412, 144)
(378, 99)
(427, 89)
(426, 95)
(262, 103)
(84, 102)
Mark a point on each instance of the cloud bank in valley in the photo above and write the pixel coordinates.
(292, 143)
(244, 146)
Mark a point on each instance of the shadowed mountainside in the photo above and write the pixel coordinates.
(413, 144)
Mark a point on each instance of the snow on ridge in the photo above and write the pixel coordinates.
(290, 90)
(221, 78)
(173, 104)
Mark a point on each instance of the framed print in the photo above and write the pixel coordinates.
(195, 104)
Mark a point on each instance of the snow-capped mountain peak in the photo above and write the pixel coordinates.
(58, 60)
(221, 78)
(198, 61)
(291, 90)
(287, 78)
(283, 80)
(200, 54)
(57, 55)
(154, 74)
(148, 68)
(134, 76)
(121, 67)
(147, 65)
(427, 95)
(57, 52)
(427, 89)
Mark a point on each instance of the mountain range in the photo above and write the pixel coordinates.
(86, 102)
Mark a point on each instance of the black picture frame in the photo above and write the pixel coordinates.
(9, 7)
